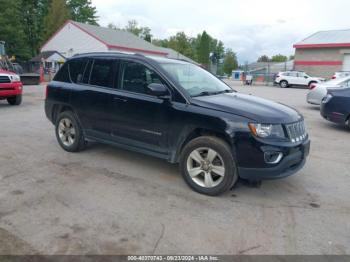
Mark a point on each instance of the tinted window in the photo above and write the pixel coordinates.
(63, 74)
(102, 73)
(87, 71)
(137, 77)
(76, 69)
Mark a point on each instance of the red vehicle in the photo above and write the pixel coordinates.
(11, 87)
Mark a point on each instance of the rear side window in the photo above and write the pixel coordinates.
(63, 74)
(76, 70)
(102, 73)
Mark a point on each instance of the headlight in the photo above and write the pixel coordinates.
(15, 78)
(267, 130)
(327, 98)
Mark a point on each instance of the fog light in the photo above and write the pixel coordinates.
(273, 157)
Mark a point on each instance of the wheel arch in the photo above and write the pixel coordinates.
(199, 132)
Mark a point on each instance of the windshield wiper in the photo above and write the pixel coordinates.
(226, 91)
(205, 93)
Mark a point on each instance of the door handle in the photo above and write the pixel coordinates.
(120, 99)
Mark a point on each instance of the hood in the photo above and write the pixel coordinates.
(252, 107)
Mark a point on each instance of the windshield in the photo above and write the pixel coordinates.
(195, 80)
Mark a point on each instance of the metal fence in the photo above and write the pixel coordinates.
(266, 72)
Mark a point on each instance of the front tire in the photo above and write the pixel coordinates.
(15, 100)
(69, 134)
(208, 166)
(284, 84)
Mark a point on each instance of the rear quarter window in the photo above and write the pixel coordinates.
(63, 74)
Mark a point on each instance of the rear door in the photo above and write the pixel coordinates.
(139, 118)
(93, 96)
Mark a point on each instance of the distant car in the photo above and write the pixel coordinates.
(340, 74)
(296, 78)
(10, 87)
(335, 106)
(319, 91)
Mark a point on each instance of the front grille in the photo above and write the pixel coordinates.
(7, 89)
(4, 80)
(296, 131)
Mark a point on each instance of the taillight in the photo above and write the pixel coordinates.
(312, 86)
(334, 77)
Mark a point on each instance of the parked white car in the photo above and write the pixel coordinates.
(296, 78)
(319, 91)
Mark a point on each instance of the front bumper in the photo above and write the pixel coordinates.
(289, 165)
(10, 89)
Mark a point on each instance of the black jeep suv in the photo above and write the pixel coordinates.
(177, 111)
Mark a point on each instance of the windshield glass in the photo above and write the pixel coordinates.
(195, 80)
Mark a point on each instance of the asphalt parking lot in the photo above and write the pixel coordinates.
(110, 201)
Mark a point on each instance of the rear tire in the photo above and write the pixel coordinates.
(69, 134)
(208, 166)
(284, 84)
(15, 100)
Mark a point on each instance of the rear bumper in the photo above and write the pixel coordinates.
(332, 115)
(10, 89)
(289, 165)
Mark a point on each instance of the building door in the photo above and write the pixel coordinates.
(346, 62)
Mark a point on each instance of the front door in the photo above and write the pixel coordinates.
(140, 119)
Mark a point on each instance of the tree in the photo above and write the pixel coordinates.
(279, 58)
(181, 43)
(58, 14)
(204, 49)
(230, 62)
(11, 30)
(82, 11)
(291, 57)
(263, 59)
(32, 18)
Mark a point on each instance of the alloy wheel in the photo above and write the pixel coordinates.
(206, 167)
(66, 132)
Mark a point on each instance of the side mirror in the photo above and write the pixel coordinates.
(158, 90)
(306, 77)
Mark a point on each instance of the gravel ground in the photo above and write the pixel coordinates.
(110, 201)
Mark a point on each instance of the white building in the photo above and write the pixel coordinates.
(76, 38)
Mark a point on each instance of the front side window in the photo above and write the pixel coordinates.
(137, 77)
(195, 80)
(102, 73)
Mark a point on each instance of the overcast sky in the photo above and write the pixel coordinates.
(250, 27)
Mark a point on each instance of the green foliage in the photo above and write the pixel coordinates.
(82, 11)
(276, 58)
(204, 49)
(263, 58)
(58, 14)
(279, 58)
(143, 32)
(181, 43)
(12, 31)
(230, 62)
